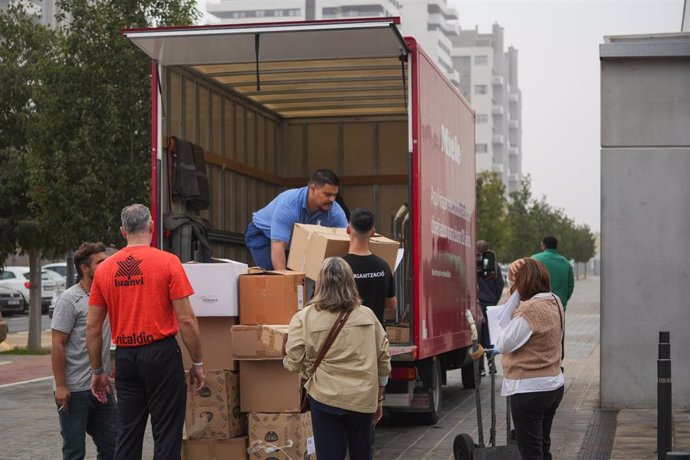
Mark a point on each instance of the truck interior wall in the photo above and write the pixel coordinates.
(252, 155)
(242, 147)
(369, 153)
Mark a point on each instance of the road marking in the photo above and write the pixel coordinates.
(7, 385)
(4, 362)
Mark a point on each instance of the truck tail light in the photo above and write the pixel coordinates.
(27, 284)
(404, 373)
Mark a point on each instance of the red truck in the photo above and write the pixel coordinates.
(270, 103)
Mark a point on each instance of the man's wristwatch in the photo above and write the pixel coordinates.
(97, 371)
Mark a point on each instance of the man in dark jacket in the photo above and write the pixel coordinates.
(489, 293)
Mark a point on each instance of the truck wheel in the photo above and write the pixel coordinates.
(463, 447)
(468, 378)
(433, 373)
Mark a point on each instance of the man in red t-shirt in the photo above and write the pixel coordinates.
(145, 293)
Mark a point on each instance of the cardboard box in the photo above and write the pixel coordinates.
(215, 449)
(267, 430)
(215, 287)
(311, 244)
(398, 334)
(258, 341)
(271, 297)
(214, 413)
(266, 386)
(216, 344)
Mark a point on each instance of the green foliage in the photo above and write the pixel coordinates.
(516, 228)
(24, 45)
(492, 211)
(74, 120)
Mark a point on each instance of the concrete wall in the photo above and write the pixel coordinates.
(645, 216)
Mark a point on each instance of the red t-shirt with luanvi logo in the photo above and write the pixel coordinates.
(137, 285)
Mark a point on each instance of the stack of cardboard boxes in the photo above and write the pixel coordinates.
(215, 428)
(251, 409)
(268, 392)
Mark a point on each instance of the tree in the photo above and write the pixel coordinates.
(74, 119)
(90, 141)
(491, 211)
(25, 46)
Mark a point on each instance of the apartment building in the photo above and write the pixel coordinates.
(431, 22)
(489, 80)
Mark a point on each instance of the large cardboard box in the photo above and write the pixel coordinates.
(398, 334)
(266, 386)
(215, 287)
(258, 341)
(311, 244)
(216, 343)
(266, 430)
(215, 449)
(271, 297)
(214, 413)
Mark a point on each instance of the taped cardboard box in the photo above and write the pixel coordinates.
(266, 386)
(271, 297)
(214, 413)
(398, 334)
(259, 341)
(215, 287)
(311, 244)
(281, 430)
(215, 449)
(216, 343)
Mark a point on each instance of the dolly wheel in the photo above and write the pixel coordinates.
(463, 447)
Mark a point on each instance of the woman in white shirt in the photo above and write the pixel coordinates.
(531, 348)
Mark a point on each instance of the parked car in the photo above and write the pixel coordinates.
(4, 329)
(59, 288)
(18, 278)
(11, 301)
(60, 268)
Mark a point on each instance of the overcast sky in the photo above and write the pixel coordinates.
(557, 42)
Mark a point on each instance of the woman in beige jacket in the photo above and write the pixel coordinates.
(346, 391)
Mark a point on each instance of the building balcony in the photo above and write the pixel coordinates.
(514, 177)
(513, 97)
(497, 80)
(514, 151)
(497, 110)
(497, 138)
(513, 124)
(497, 167)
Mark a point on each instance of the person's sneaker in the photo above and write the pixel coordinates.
(482, 373)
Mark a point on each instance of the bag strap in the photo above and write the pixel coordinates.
(335, 330)
(560, 315)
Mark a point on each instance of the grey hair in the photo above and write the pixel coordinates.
(336, 290)
(135, 218)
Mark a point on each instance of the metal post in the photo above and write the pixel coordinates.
(664, 411)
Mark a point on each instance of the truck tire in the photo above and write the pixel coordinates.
(432, 375)
(468, 378)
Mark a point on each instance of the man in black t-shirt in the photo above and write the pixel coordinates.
(373, 276)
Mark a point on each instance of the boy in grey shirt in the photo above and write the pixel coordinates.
(78, 410)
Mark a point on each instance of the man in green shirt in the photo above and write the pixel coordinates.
(560, 271)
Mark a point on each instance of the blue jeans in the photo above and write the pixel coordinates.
(338, 430)
(85, 414)
(259, 245)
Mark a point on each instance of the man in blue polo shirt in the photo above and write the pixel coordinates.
(270, 231)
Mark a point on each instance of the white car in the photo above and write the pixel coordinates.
(58, 267)
(18, 278)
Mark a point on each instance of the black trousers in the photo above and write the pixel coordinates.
(150, 381)
(533, 415)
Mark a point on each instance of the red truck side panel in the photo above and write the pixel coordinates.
(443, 210)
